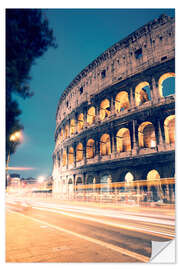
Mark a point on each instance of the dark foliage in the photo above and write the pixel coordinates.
(28, 37)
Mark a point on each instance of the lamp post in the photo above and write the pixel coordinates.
(15, 137)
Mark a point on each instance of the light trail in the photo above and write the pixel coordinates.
(126, 252)
(115, 215)
(117, 225)
(19, 168)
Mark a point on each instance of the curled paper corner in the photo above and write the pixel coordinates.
(163, 252)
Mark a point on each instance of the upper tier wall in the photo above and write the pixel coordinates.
(149, 45)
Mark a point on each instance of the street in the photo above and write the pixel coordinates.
(51, 231)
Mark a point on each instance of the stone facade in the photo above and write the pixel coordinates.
(115, 117)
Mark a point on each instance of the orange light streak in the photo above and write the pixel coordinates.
(19, 168)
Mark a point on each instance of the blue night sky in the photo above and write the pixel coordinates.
(82, 35)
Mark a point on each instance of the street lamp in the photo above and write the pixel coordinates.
(41, 181)
(15, 137)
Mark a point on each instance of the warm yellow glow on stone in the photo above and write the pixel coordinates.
(146, 134)
(121, 101)
(153, 175)
(71, 156)
(123, 140)
(64, 158)
(90, 148)
(104, 109)
(169, 129)
(129, 177)
(91, 115)
(105, 145)
(79, 152)
(66, 131)
(140, 95)
(80, 122)
(72, 126)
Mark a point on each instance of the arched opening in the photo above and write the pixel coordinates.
(123, 140)
(129, 177)
(90, 149)
(121, 101)
(105, 145)
(80, 122)
(64, 158)
(71, 156)
(61, 135)
(146, 135)
(169, 129)
(58, 139)
(153, 175)
(66, 131)
(91, 114)
(142, 93)
(91, 179)
(70, 182)
(79, 152)
(70, 188)
(105, 179)
(79, 181)
(72, 126)
(129, 188)
(104, 109)
(155, 190)
(167, 84)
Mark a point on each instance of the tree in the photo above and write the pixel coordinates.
(28, 37)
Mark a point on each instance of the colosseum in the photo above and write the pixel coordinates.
(115, 122)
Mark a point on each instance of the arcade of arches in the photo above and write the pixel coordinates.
(143, 92)
(120, 142)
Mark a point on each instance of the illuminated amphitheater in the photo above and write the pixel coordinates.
(115, 122)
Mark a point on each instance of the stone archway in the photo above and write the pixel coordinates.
(91, 114)
(146, 135)
(121, 101)
(142, 93)
(169, 129)
(80, 122)
(165, 90)
(105, 109)
(71, 156)
(123, 140)
(105, 145)
(64, 158)
(90, 149)
(79, 152)
(153, 177)
(72, 126)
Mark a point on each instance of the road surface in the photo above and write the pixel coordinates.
(49, 231)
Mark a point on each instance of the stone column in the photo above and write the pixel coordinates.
(67, 155)
(135, 144)
(111, 141)
(97, 149)
(85, 117)
(74, 147)
(155, 89)
(84, 150)
(112, 105)
(160, 141)
(132, 98)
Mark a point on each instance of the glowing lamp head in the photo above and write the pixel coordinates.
(41, 179)
(17, 136)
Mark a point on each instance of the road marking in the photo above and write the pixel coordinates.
(126, 252)
(127, 227)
